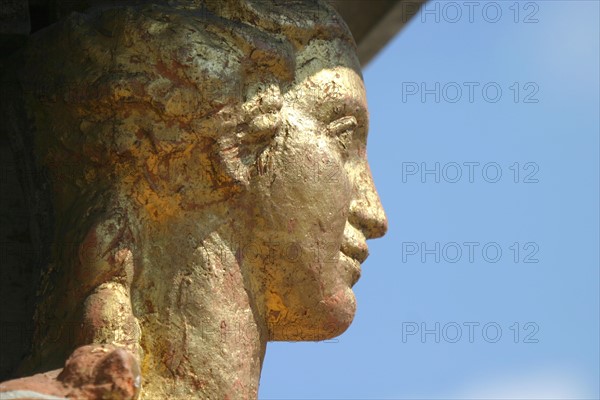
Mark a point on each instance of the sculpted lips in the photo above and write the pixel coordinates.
(354, 249)
(354, 244)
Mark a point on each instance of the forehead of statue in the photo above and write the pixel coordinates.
(331, 93)
(322, 54)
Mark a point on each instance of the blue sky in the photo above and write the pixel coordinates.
(508, 204)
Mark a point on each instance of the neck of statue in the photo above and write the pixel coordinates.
(201, 334)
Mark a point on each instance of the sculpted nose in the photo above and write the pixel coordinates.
(366, 211)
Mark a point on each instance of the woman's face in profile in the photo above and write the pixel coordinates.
(302, 218)
(309, 212)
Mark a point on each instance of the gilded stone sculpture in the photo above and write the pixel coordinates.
(210, 192)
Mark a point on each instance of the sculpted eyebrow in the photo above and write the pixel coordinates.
(345, 107)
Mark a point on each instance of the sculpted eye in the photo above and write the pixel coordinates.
(342, 129)
(342, 126)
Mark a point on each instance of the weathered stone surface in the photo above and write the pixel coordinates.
(209, 187)
(91, 372)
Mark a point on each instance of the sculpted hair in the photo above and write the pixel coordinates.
(161, 76)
